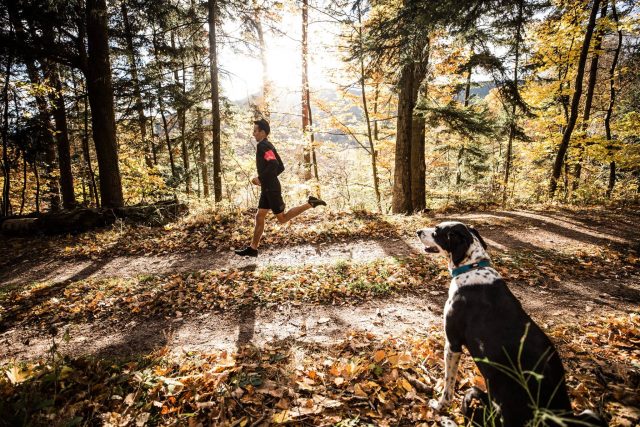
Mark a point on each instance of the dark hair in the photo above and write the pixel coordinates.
(263, 125)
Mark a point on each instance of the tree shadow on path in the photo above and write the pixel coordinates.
(246, 313)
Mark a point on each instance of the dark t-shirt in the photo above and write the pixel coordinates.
(269, 166)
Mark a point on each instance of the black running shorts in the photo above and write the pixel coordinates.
(271, 200)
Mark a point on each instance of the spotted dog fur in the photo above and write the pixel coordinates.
(483, 315)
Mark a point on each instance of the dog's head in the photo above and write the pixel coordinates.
(454, 239)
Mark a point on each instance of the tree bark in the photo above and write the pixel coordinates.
(44, 115)
(365, 108)
(306, 152)
(401, 201)
(203, 154)
(165, 125)
(265, 108)
(24, 183)
(575, 101)
(35, 172)
(418, 166)
(62, 139)
(182, 116)
(215, 101)
(182, 120)
(98, 73)
(408, 179)
(86, 153)
(512, 125)
(467, 94)
(314, 161)
(137, 93)
(612, 99)
(593, 75)
(6, 187)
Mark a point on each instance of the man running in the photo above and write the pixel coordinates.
(269, 166)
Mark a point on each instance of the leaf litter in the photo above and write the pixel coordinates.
(372, 379)
(364, 379)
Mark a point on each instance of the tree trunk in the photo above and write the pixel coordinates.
(182, 116)
(593, 75)
(62, 139)
(154, 149)
(401, 201)
(35, 172)
(24, 183)
(372, 148)
(376, 95)
(137, 94)
(512, 125)
(6, 187)
(43, 112)
(215, 101)
(265, 108)
(408, 180)
(86, 153)
(165, 125)
(100, 91)
(575, 101)
(467, 94)
(306, 153)
(418, 166)
(203, 154)
(167, 137)
(181, 112)
(612, 99)
(314, 161)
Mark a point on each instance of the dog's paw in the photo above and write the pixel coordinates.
(438, 405)
(446, 422)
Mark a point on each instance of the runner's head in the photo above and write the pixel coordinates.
(261, 129)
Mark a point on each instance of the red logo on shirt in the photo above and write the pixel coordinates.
(269, 155)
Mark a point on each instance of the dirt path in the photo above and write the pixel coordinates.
(131, 266)
(506, 232)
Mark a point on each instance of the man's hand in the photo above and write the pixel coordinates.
(255, 181)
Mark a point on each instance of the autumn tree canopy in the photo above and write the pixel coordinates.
(414, 104)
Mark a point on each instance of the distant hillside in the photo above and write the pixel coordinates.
(479, 90)
(286, 107)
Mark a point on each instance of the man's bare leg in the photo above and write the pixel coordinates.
(292, 213)
(259, 227)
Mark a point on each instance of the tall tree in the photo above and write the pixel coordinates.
(98, 73)
(161, 102)
(215, 100)
(132, 57)
(181, 107)
(306, 151)
(575, 101)
(203, 152)
(612, 99)
(44, 115)
(365, 109)
(588, 101)
(6, 185)
(519, 24)
(256, 23)
(62, 138)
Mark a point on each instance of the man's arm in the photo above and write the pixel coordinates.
(270, 170)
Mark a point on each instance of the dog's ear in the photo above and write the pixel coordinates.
(459, 242)
(480, 239)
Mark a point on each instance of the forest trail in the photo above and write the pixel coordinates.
(508, 233)
(504, 231)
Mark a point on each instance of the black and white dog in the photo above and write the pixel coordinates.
(522, 370)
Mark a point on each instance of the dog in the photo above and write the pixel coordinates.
(522, 370)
